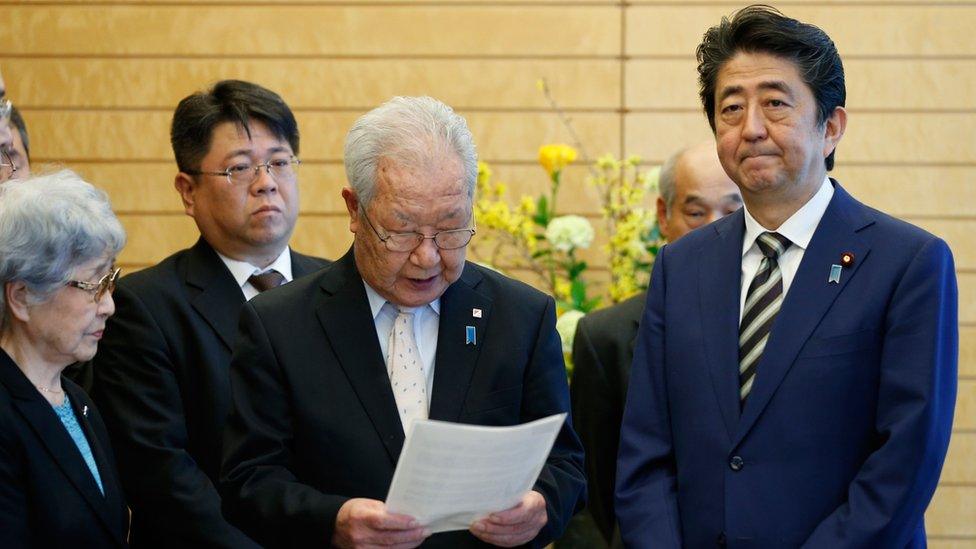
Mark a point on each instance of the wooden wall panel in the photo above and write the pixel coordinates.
(295, 30)
(958, 466)
(356, 84)
(951, 512)
(858, 31)
(965, 419)
(967, 356)
(98, 81)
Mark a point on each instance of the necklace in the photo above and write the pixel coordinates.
(52, 391)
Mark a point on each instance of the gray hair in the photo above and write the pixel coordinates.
(666, 183)
(49, 226)
(409, 130)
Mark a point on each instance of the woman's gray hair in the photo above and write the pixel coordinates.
(49, 226)
(412, 131)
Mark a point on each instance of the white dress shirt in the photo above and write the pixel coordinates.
(242, 270)
(426, 320)
(799, 228)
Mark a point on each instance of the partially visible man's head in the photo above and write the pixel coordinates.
(19, 151)
(412, 166)
(694, 190)
(5, 108)
(238, 127)
(773, 91)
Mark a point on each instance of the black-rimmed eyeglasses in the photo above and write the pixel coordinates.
(97, 289)
(408, 242)
(282, 170)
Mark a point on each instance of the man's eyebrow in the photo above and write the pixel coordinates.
(727, 91)
(776, 85)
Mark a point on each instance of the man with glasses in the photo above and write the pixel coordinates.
(160, 375)
(5, 110)
(329, 372)
(17, 157)
(7, 165)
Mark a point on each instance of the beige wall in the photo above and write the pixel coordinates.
(98, 81)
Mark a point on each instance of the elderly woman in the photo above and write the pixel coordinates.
(58, 485)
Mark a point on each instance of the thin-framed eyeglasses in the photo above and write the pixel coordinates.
(408, 242)
(282, 170)
(7, 166)
(97, 289)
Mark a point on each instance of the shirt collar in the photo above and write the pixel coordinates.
(376, 301)
(242, 270)
(800, 226)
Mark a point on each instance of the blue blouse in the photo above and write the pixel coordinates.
(67, 416)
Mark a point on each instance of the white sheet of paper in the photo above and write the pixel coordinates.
(450, 474)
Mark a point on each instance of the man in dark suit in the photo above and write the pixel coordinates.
(693, 190)
(795, 373)
(317, 427)
(161, 377)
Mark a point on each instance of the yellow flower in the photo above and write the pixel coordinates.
(555, 157)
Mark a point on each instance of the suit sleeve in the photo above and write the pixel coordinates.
(597, 418)
(919, 358)
(261, 493)
(545, 392)
(646, 493)
(137, 393)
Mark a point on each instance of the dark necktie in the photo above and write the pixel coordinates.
(266, 281)
(763, 301)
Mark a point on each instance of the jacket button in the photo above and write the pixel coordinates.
(736, 463)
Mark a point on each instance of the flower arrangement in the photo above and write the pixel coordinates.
(532, 235)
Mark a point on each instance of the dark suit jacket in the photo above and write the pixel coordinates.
(603, 350)
(48, 496)
(841, 441)
(161, 383)
(314, 421)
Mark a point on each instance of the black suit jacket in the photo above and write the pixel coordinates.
(161, 383)
(315, 422)
(48, 496)
(603, 350)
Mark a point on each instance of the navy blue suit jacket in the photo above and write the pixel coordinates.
(841, 442)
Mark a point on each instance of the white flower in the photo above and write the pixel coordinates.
(569, 231)
(566, 326)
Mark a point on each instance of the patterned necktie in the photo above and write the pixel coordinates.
(266, 281)
(406, 371)
(763, 301)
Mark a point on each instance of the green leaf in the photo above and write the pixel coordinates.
(578, 293)
(542, 212)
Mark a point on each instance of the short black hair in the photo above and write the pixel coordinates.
(764, 29)
(227, 101)
(18, 122)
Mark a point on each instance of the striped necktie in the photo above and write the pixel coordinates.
(763, 301)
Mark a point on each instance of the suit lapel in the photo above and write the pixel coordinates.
(106, 469)
(719, 274)
(348, 323)
(219, 299)
(44, 422)
(455, 359)
(809, 298)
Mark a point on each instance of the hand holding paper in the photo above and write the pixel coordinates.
(514, 526)
(365, 522)
(450, 476)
